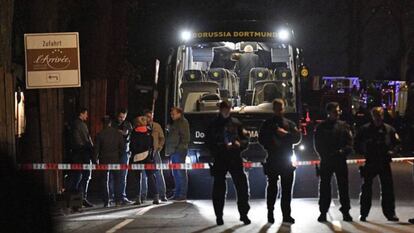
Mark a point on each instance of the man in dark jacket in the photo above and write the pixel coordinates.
(378, 142)
(225, 141)
(81, 152)
(109, 148)
(125, 127)
(177, 142)
(333, 142)
(247, 61)
(277, 135)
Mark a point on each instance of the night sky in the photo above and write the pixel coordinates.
(323, 28)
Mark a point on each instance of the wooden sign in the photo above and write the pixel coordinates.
(52, 60)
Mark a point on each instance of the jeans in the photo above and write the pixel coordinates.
(180, 176)
(123, 175)
(159, 179)
(144, 185)
(159, 175)
(78, 181)
(114, 177)
(73, 179)
(152, 187)
(84, 183)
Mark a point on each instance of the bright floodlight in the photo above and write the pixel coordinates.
(301, 147)
(185, 35)
(283, 34)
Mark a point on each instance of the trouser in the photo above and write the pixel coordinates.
(286, 178)
(152, 186)
(244, 85)
(84, 183)
(387, 188)
(219, 171)
(73, 179)
(123, 175)
(113, 176)
(78, 181)
(180, 176)
(327, 169)
(159, 175)
(159, 179)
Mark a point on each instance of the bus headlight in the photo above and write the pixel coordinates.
(283, 34)
(186, 35)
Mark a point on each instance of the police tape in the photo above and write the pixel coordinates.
(167, 166)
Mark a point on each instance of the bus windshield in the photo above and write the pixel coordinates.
(250, 75)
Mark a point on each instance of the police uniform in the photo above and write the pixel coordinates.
(227, 159)
(279, 162)
(377, 144)
(333, 142)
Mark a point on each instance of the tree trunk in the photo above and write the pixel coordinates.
(7, 130)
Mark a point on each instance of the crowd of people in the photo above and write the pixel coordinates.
(121, 142)
(333, 142)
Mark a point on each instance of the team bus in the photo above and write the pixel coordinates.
(247, 64)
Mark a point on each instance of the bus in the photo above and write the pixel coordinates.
(248, 64)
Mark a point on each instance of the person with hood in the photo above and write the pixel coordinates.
(141, 147)
(226, 140)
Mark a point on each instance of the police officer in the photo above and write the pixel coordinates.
(333, 142)
(277, 135)
(225, 139)
(378, 142)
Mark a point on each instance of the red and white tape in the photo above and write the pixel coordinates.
(166, 166)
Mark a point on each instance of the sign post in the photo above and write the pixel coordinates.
(52, 60)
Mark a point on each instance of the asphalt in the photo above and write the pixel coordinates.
(197, 216)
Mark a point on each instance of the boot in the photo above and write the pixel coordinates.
(138, 201)
(393, 218)
(245, 220)
(347, 217)
(288, 219)
(156, 199)
(270, 217)
(219, 221)
(322, 217)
